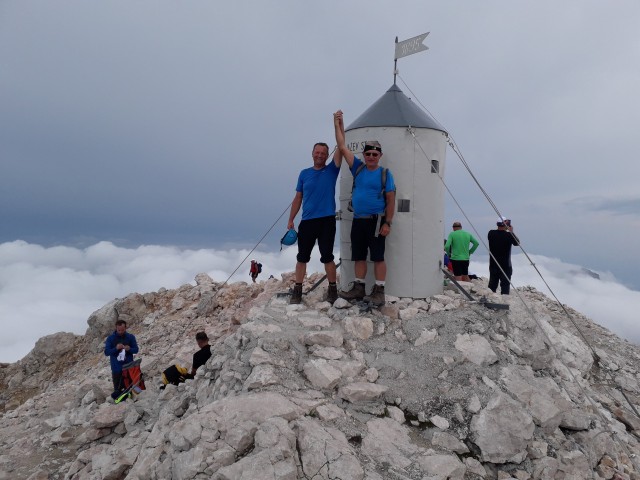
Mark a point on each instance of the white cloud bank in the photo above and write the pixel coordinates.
(47, 290)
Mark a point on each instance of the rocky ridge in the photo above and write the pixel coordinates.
(439, 388)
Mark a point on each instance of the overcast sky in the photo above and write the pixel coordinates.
(186, 124)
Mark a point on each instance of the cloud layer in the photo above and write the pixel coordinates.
(47, 290)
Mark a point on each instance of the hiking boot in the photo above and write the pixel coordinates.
(296, 295)
(332, 293)
(377, 296)
(356, 293)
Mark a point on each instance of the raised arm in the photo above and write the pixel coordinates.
(295, 208)
(338, 124)
(337, 157)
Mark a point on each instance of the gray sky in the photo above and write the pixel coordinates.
(187, 123)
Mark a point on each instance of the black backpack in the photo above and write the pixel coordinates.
(259, 268)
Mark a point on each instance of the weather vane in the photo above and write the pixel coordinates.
(408, 47)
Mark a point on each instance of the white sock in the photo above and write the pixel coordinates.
(380, 282)
(360, 280)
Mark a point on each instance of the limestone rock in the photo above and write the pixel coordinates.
(448, 442)
(327, 338)
(325, 452)
(362, 391)
(261, 376)
(109, 415)
(359, 327)
(502, 430)
(425, 337)
(321, 374)
(541, 395)
(388, 442)
(442, 467)
(396, 414)
(476, 349)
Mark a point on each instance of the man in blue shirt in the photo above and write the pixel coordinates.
(373, 201)
(120, 347)
(316, 194)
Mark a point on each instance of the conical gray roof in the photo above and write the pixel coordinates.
(395, 109)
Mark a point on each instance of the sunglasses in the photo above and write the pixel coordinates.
(371, 154)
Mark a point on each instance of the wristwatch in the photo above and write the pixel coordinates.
(388, 223)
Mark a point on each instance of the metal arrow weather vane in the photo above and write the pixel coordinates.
(408, 47)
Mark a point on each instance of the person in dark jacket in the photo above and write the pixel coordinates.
(500, 242)
(120, 347)
(202, 355)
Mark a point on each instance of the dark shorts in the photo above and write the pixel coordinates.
(460, 267)
(363, 231)
(322, 230)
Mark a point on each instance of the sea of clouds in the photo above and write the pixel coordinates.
(47, 290)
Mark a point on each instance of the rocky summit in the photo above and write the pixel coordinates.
(437, 388)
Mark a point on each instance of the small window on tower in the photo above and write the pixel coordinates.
(435, 166)
(403, 205)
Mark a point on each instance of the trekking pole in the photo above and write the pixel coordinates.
(317, 284)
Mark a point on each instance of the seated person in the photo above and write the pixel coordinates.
(176, 374)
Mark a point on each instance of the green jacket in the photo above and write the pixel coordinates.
(457, 246)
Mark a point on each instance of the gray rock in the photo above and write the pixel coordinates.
(441, 423)
(442, 467)
(327, 338)
(108, 415)
(540, 395)
(388, 442)
(362, 391)
(425, 337)
(328, 353)
(261, 376)
(325, 452)
(476, 349)
(448, 442)
(321, 374)
(502, 430)
(395, 414)
(358, 327)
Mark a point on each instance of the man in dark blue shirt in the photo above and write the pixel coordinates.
(316, 194)
(120, 347)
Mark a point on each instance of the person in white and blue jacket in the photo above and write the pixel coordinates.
(120, 347)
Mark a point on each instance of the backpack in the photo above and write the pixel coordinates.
(383, 182)
(259, 268)
(174, 375)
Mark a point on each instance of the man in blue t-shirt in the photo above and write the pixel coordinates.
(316, 194)
(373, 200)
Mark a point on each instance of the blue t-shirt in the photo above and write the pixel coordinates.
(367, 198)
(318, 188)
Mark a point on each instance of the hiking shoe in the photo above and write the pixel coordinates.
(356, 293)
(377, 296)
(296, 296)
(332, 294)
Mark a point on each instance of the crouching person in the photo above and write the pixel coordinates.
(176, 374)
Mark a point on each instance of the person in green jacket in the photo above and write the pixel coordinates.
(457, 247)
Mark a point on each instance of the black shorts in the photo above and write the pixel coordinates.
(323, 230)
(460, 267)
(363, 238)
